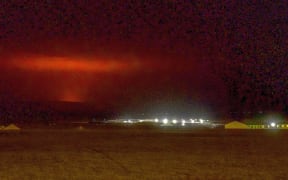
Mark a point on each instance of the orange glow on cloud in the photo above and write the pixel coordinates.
(96, 65)
(69, 96)
(72, 64)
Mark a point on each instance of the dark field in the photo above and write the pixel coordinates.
(141, 153)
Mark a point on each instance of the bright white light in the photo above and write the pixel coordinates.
(183, 122)
(165, 121)
(129, 121)
(201, 121)
(140, 120)
(273, 124)
(125, 121)
(156, 120)
(192, 120)
(174, 121)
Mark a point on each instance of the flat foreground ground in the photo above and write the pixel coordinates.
(137, 153)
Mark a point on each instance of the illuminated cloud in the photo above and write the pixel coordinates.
(71, 96)
(73, 64)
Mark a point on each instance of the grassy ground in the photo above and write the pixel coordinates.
(135, 153)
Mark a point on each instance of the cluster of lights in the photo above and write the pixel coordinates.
(166, 121)
(183, 122)
(128, 121)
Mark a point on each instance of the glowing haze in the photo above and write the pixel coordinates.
(72, 64)
(230, 55)
(121, 80)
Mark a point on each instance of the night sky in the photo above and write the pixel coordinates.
(169, 55)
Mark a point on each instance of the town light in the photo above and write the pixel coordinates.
(183, 122)
(165, 121)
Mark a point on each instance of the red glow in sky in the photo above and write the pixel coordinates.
(102, 80)
(228, 53)
(72, 64)
(70, 96)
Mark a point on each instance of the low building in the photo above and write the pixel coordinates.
(236, 125)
